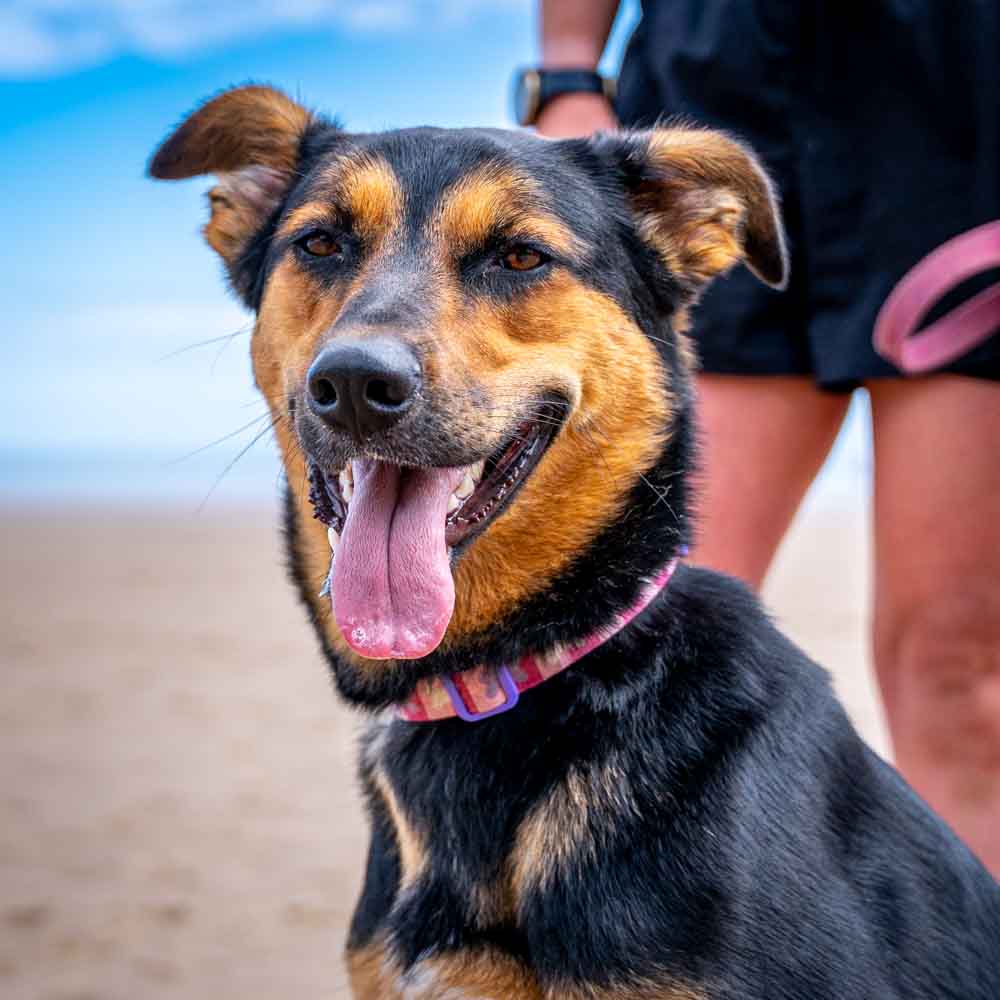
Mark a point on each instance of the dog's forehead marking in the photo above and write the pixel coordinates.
(360, 184)
(457, 205)
(495, 196)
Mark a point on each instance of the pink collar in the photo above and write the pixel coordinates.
(481, 692)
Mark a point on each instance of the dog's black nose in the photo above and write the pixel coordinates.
(363, 386)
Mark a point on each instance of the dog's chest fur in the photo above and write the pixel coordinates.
(490, 846)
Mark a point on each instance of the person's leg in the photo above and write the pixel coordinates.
(763, 439)
(937, 593)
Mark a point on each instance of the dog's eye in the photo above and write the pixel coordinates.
(319, 244)
(522, 259)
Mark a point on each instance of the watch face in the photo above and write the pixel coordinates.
(526, 93)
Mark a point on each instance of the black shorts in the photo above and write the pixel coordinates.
(880, 123)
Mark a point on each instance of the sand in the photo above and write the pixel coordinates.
(178, 808)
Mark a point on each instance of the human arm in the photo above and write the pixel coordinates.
(573, 36)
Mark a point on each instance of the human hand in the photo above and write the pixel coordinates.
(579, 114)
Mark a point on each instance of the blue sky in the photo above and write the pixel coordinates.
(104, 274)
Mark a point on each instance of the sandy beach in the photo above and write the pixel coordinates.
(178, 811)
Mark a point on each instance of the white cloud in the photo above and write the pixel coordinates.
(28, 48)
(42, 37)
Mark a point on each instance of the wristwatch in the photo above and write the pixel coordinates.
(534, 88)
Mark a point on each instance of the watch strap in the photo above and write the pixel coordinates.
(539, 86)
(555, 82)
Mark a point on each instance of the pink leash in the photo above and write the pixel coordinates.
(959, 330)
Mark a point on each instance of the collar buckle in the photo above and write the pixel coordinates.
(507, 684)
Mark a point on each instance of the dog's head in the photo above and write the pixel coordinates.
(472, 346)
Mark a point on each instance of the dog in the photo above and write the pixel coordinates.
(591, 770)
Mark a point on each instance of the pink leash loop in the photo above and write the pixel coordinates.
(959, 330)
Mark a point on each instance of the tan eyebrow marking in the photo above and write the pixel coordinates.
(471, 210)
(312, 213)
(362, 186)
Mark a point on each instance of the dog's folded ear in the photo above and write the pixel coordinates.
(251, 138)
(703, 201)
(246, 126)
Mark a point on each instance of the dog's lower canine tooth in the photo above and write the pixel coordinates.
(466, 487)
(454, 502)
(476, 471)
(333, 537)
(346, 481)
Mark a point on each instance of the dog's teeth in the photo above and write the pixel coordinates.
(346, 481)
(454, 503)
(476, 471)
(466, 486)
(333, 537)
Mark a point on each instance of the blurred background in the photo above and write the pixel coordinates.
(178, 812)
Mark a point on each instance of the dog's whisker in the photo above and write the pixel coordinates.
(207, 343)
(231, 464)
(217, 441)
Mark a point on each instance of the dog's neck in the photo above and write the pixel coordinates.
(600, 585)
(481, 692)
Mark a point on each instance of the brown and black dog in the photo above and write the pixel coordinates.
(473, 348)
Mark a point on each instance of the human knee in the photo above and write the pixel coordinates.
(941, 661)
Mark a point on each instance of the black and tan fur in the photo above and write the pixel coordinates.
(686, 813)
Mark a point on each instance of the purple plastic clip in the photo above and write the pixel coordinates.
(507, 684)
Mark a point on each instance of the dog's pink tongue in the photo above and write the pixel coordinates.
(392, 589)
